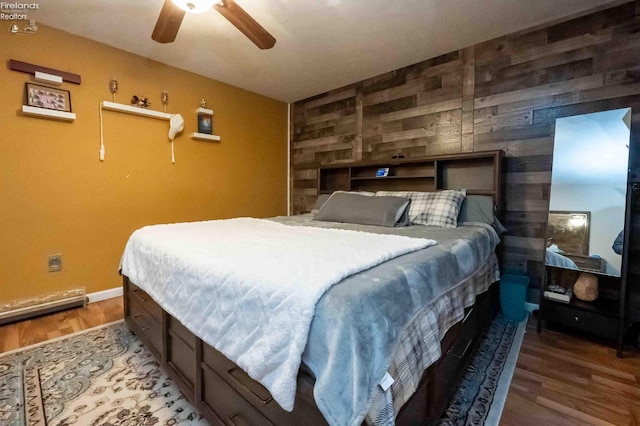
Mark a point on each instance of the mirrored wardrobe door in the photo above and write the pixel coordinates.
(587, 250)
(588, 193)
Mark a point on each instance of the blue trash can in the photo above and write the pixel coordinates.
(513, 296)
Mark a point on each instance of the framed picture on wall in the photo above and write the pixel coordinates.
(48, 97)
(205, 124)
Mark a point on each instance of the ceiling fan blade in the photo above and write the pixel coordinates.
(168, 23)
(245, 23)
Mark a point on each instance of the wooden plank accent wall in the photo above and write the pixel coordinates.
(501, 94)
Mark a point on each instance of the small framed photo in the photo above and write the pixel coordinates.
(205, 124)
(382, 172)
(48, 97)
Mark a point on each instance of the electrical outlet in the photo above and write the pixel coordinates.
(55, 262)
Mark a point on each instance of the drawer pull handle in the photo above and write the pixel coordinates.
(140, 295)
(577, 319)
(239, 416)
(231, 417)
(464, 351)
(466, 317)
(239, 382)
(137, 318)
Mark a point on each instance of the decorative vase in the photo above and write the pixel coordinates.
(586, 287)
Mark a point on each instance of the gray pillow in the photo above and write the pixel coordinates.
(480, 208)
(477, 208)
(322, 198)
(364, 210)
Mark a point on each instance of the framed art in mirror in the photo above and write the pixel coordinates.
(569, 231)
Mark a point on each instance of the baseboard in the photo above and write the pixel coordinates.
(49, 303)
(104, 295)
(530, 307)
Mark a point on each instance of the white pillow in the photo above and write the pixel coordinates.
(432, 208)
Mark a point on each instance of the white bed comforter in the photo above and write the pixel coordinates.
(249, 287)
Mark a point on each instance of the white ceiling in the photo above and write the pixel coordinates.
(321, 44)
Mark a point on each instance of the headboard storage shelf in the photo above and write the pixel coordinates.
(417, 176)
(477, 174)
(480, 173)
(334, 179)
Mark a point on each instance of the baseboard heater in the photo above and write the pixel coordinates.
(55, 302)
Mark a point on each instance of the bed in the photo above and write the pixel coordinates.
(555, 258)
(376, 323)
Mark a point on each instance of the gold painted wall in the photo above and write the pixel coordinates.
(57, 197)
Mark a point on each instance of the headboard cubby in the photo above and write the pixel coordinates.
(480, 173)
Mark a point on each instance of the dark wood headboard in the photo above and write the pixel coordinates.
(480, 173)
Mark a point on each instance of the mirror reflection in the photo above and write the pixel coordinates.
(588, 191)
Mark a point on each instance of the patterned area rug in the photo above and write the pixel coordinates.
(101, 377)
(475, 398)
(105, 376)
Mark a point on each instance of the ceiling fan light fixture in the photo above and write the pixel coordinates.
(195, 6)
(173, 12)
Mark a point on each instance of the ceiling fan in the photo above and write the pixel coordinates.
(173, 12)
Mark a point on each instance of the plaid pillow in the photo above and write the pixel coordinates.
(432, 208)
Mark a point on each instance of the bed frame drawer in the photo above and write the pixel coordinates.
(226, 395)
(581, 320)
(222, 401)
(234, 376)
(460, 350)
(145, 326)
(258, 396)
(181, 355)
(181, 331)
(465, 327)
(458, 345)
(146, 302)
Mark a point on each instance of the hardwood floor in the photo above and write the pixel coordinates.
(39, 329)
(559, 379)
(562, 379)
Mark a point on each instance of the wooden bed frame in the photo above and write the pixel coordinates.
(225, 395)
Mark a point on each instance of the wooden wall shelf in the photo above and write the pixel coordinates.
(128, 109)
(205, 137)
(32, 68)
(48, 113)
